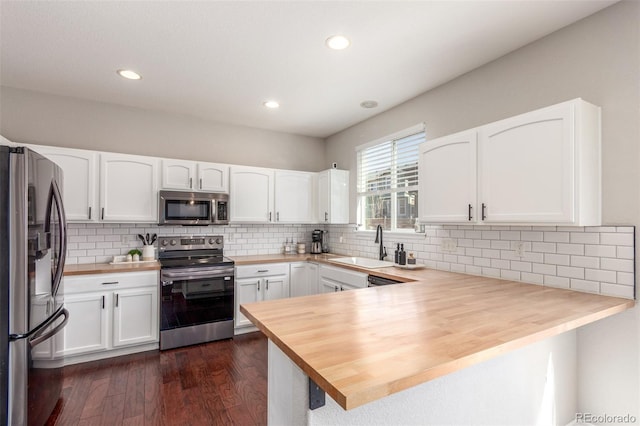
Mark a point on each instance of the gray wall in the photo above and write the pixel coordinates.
(33, 117)
(597, 59)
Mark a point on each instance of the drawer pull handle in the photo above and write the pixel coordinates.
(263, 270)
(111, 283)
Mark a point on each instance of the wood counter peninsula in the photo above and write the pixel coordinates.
(448, 349)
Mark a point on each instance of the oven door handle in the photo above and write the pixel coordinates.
(194, 274)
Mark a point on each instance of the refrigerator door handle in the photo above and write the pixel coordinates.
(37, 339)
(39, 329)
(56, 198)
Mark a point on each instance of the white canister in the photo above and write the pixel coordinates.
(301, 248)
(149, 253)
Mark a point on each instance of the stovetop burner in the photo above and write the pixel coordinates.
(189, 250)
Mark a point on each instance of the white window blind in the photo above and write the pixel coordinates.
(387, 179)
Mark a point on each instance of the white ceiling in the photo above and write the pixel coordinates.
(220, 60)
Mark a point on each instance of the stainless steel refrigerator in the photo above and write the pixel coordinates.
(33, 244)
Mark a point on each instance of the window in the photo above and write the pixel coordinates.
(388, 181)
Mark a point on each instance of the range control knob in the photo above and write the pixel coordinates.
(165, 242)
(211, 241)
(218, 240)
(174, 242)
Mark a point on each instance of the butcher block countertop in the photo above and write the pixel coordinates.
(363, 345)
(108, 268)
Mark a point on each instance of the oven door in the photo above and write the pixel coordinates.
(196, 295)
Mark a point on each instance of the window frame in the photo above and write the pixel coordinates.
(393, 192)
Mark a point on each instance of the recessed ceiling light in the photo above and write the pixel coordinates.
(271, 104)
(129, 74)
(368, 104)
(337, 42)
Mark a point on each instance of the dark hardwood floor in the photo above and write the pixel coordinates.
(218, 383)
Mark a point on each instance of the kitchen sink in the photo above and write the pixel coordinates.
(363, 262)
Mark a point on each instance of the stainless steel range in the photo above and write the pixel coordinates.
(197, 286)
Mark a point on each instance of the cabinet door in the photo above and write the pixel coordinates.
(251, 194)
(298, 279)
(129, 188)
(276, 287)
(293, 197)
(87, 328)
(527, 167)
(326, 285)
(447, 176)
(213, 177)
(333, 196)
(312, 278)
(135, 316)
(178, 174)
(248, 290)
(79, 181)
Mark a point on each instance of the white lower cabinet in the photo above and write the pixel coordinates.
(333, 279)
(109, 315)
(133, 312)
(255, 283)
(303, 278)
(87, 328)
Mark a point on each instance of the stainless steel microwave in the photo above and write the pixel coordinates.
(193, 208)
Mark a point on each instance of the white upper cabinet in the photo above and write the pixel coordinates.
(294, 196)
(178, 174)
(541, 167)
(213, 177)
(447, 176)
(80, 187)
(194, 176)
(129, 188)
(333, 196)
(251, 195)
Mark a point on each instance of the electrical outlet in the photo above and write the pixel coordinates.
(519, 248)
(448, 245)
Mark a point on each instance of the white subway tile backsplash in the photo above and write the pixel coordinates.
(591, 259)
(600, 251)
(616, 239)
(543, 247)
(585, 262)
(570, 272)
(532, 236)
(556, 237)
(584, 237)
(625, 252)
(532, 278)
(617, 290)
(553, 281)
(510, 235)
(588, 286)
(577, 249)
(544, 269)
(556, 259)
(623, 265)
(600, 275)
(625, 278)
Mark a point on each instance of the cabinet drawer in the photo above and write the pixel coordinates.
(346, 276)
(262, 270)
(102, 282)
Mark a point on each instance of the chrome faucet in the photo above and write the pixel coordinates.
(383, 249)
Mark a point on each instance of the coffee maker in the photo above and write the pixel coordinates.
(316, 241)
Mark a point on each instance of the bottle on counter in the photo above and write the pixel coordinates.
(396, 255)
(402, 255)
